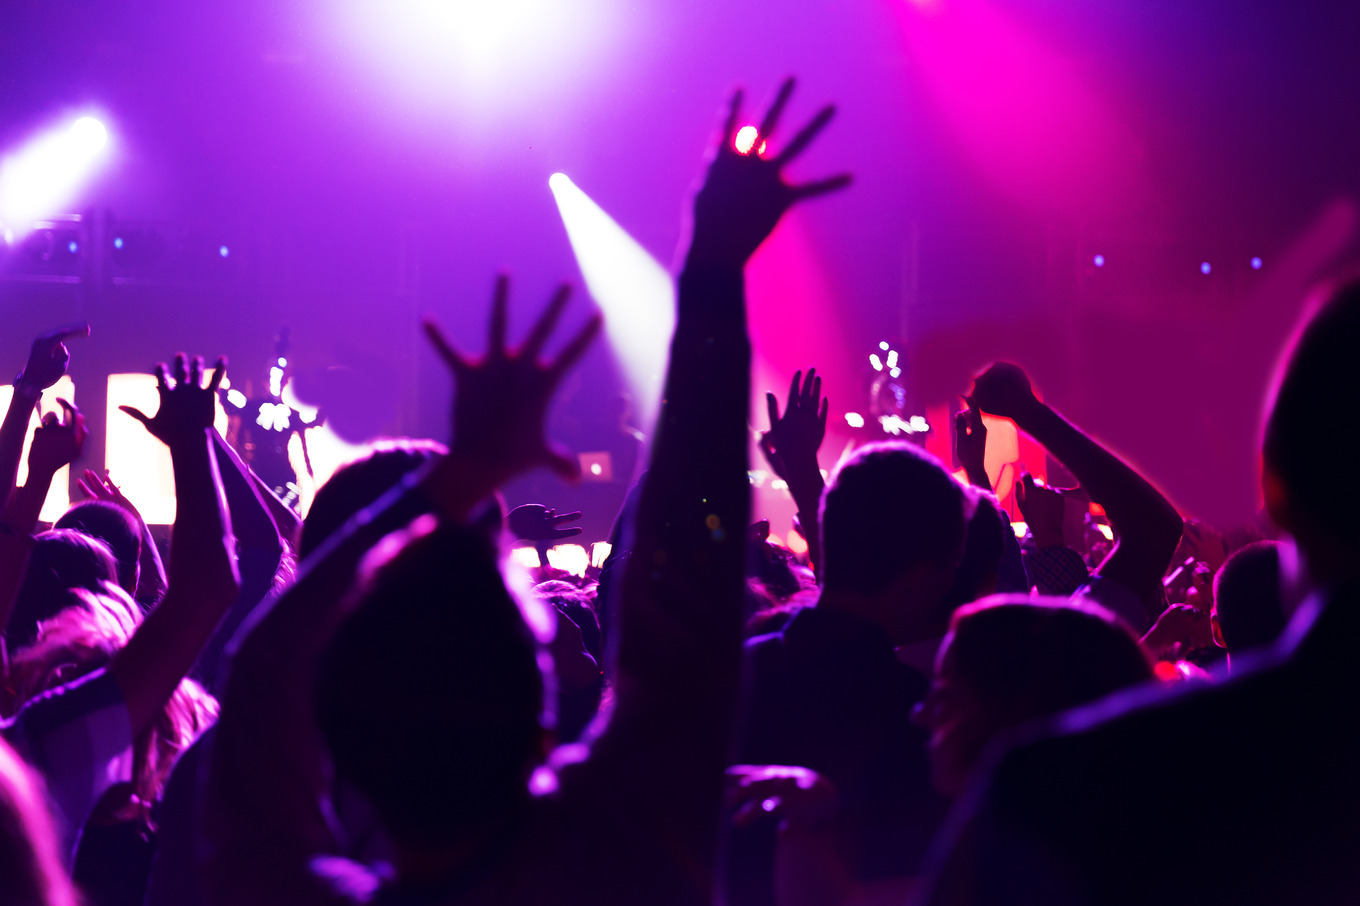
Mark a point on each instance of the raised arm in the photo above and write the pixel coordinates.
(56, 443)
(47, 362)
(259, 547)
(680, 612)
(203, 580)
(1148, 526)
(267, 789)
(790, 447)
(970, 444)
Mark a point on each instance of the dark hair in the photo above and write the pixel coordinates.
(60, 561)
(430, 694)
(1030, 656)
(1247, 597)
(983, 546)
(1319, 377)
(113, 525)
(360, 483)
(889, 506)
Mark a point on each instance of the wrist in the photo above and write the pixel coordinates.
(25, 390)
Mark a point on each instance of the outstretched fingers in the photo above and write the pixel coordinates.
(821, 186)
(219, 372)
(572, 352)
(547, 321)
(772, 409)
(137, 414)
(733, 118)
(771, 120)
(805, 135)
(794, 391)
(457, 364)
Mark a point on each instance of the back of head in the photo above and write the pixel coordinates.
(430, 694)
(889, 506)
(60, 562)
(29, 863)
(359, 484)
(983, 547)
(1029, 657)
(113, 525)
(1247, 602)
(1317, 387)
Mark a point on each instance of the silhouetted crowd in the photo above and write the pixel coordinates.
(1101, 703)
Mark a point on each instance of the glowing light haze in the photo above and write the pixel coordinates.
(631, 287)
(43, 177)
(476, 55)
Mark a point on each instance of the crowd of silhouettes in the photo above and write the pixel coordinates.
(935, 704)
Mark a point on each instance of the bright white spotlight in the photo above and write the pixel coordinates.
(44, 176)
(631, 287)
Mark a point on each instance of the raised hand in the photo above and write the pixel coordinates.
(535, 522)
(48, 358)
(101, 487)
(187, 407)
(795, 437)
(1004, 389)
(502, 399)
(744, 194)
(1042, 508)
(58, 441)
(970, 444)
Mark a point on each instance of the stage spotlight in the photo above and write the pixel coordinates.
(854, 419)
(1256, 264)
(632, 289)
(118, 242)
(223, 251)
(1098, 260)
(44, 175)
(1205, 268)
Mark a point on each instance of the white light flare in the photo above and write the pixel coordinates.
(631, 287)
(475, 55)
(45, 175)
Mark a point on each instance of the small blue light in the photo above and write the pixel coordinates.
(118, 242)
(1098, 260)
(224, 251)
(1205, 268)
(1256, 264)
(73, 246)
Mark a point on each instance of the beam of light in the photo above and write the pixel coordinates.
(45, 175)
(631, 287)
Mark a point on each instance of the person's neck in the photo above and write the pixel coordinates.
(883, 611)
(429, 865)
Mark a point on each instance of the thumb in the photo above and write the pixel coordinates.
(137, 414)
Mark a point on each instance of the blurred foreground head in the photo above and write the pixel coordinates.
(430, 695)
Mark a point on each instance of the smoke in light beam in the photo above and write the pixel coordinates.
(631, 287)
(44, 175)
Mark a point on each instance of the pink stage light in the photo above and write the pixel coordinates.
(45, 175)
